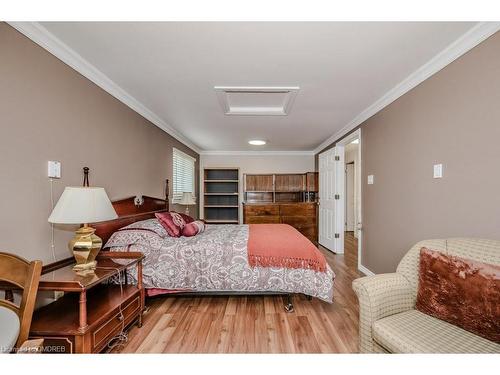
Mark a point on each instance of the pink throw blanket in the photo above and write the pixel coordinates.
(281, 245)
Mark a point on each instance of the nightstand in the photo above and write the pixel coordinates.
(88, 316)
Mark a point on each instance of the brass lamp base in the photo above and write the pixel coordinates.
(85, 247)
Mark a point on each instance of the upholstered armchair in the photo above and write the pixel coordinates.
(388, 321)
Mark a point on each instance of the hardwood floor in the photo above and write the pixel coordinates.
(350, 249)
(253, 324)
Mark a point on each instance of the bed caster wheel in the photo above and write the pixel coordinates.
(289, 304)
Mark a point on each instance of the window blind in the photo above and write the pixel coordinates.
(184, 175)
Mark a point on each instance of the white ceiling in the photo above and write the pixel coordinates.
(341, 69)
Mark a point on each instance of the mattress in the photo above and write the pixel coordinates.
(213, 261)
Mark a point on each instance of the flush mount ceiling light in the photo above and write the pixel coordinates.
(257, 142)
(256, 101)
(355, 142)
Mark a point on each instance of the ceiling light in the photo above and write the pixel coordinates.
(355, 142)
(257, 142)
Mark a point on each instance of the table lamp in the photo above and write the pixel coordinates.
(187, 200)
(83, 205)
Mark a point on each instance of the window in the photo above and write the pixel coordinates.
(183, 175)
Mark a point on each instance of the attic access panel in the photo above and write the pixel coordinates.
(256, 101)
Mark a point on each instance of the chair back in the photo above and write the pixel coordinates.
(479, 250)
(23, 275)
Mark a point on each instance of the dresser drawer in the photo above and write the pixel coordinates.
(298, 210)
(310, 233)
(306, 226)
(262, 220)
(299, 222)
(262, 210)
(112, 326)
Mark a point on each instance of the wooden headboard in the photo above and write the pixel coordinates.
(128, 212)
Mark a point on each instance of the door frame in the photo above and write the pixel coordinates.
(341, 146)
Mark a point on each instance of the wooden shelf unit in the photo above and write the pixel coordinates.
(279, 188)
(221, 195)
(222, 221)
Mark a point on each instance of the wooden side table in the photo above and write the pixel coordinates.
(91, 313)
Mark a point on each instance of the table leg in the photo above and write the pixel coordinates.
(141, 288)
(83, 311)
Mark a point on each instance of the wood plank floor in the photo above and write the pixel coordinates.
(350, 249)
(253, 324)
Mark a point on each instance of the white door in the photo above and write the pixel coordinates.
(331, 203)
(327, 188)
(340, 201)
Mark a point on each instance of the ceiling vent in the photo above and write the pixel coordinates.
(256, 101)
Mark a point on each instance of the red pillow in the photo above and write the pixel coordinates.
(460, 291)
(193, 228)
(173, 222)
(187, 219)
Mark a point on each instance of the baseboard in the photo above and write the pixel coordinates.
(365, 270)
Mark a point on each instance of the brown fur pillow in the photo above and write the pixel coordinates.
(460, 291)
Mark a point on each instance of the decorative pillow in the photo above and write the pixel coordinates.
(173, 222)
(460, 291)
(188, 219)
(194, 228)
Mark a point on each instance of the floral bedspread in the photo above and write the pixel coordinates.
(215, 260)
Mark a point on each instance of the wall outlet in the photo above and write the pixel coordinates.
(371, 179)
(54, 169)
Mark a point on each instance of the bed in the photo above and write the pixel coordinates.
(215, 262)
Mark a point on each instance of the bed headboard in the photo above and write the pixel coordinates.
(128, 212)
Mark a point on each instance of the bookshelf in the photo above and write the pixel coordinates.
(221, 195)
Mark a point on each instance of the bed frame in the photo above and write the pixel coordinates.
(129, 212)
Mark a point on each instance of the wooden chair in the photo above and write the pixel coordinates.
(24, 275)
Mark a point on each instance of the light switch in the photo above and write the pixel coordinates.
(54, 170)
(370, 179)
(438, 170)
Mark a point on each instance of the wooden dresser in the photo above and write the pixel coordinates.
(300, 215)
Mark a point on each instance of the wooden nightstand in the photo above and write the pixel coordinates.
(88, 316)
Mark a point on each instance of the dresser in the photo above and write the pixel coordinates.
(300, 215)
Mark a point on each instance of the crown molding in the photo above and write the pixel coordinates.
(45, 39)
(259, 153)
(41, 36)
(463, 44)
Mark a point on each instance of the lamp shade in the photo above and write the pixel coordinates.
(187, 199)
(82, 205)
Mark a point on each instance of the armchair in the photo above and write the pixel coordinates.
(388, 321)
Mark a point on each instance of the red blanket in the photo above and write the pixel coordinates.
(281, 245)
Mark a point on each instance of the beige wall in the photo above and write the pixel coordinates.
(452, 118)
(259, 164)
(50, 112)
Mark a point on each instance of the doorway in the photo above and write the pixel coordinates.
(333, 233)
(350, 196)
